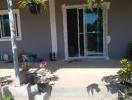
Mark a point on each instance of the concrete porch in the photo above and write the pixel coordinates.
(82, 79)
(55, 66)
(86, 80)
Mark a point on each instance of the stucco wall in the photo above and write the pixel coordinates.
(36, 35)
(119, 26)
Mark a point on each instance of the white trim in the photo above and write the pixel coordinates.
(53, 26)
(19, 25)
(16, 11)
(65, 31)
(105, 7)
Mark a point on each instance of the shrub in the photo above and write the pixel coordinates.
(7, 98)
(125, 72)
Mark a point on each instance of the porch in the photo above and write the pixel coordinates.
(54, 66)
(81, 79)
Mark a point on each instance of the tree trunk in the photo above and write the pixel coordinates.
(13, 41)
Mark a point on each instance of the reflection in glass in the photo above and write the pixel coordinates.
(5, 26)
(94, 32)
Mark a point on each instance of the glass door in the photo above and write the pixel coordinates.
(72, 32)
(84, 32)
(93, 32)
(75, 24)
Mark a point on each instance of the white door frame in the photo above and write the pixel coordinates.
(53, 27)
(105, 7)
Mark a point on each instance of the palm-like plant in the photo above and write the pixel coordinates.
(94, 3)
(34, 5)
(125, 72)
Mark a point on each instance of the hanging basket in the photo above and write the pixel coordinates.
(35, 8)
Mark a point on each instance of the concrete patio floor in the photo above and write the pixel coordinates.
(82, 79)
(85, 80)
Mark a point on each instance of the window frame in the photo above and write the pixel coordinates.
(16, 12)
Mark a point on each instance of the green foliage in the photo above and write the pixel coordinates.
(25, 3)
(125, 72)
(91, 3)
(7, 98)
(25, 67)
(129, 93)
(94, 3)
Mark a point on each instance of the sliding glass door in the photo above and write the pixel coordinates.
(93, 32)
(84, 32)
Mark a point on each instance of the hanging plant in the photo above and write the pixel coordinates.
(94, 3)
(33, 5)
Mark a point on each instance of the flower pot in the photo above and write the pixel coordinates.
(34, 8)
(42, 87)
(23, 77)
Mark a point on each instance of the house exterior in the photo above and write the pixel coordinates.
(70, 30)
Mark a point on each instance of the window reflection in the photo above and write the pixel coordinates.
(94, 32)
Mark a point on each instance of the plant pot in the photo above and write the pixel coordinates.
(42, 87)
(23, 77)
(32, 78)
(34, 8)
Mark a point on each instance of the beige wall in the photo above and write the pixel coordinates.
(36, 36)
(119, 27)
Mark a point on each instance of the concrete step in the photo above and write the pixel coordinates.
(26, 92)
(81, 98)
(69, 98)
(72, 92)
(82, 93)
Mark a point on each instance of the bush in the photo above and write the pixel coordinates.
(125, 72)
(7, 98)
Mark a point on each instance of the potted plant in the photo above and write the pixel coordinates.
(34, 77)
(33, 5)
(23, 73)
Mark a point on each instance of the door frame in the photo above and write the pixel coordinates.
(105, 7)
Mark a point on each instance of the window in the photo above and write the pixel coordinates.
(5, 27)
(94, 32)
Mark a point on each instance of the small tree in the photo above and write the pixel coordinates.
(13, 41)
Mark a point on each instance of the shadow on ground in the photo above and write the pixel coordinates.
(112, 85)
(56, 65)
(93, 88)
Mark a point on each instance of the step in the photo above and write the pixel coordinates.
(69, 98)
(82, 93)
(82, 98)
(26, 92)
